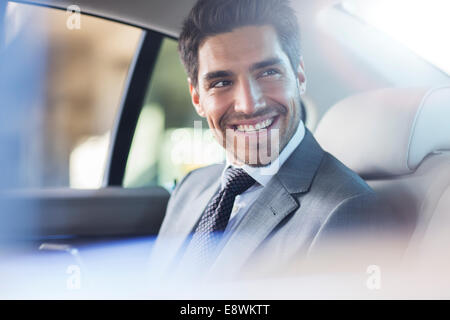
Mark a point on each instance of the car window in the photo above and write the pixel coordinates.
(170, 139)
(71, 70)
(424, 39)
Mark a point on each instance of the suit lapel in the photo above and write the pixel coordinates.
(273, 204)
(300, 168)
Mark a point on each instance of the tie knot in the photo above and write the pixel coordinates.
(237, 180)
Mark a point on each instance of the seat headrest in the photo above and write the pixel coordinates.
(387, 132)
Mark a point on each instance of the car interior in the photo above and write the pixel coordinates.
(401, 161)
(366, 91)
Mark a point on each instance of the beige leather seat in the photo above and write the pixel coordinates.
(398, 140)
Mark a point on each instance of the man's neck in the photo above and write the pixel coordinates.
(263, 174)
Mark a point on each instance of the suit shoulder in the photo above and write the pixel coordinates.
(208, 170)
(337, 178)
(206, 174)
(190, 187)
(199, 177)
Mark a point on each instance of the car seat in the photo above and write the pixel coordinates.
(398, 140)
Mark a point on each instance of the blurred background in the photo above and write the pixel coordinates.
(63, 91)
(67, 85)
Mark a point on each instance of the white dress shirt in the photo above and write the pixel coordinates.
(262, 178)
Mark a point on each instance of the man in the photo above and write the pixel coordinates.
(279, 193)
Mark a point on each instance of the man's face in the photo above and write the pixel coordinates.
(248, 92)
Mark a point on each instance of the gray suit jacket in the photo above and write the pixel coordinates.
(311, 198)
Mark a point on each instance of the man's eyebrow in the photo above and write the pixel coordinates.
(226, 73)
(265, 63)
(217, 74)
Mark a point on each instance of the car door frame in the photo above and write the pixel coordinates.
(62, 211)
(139, 77)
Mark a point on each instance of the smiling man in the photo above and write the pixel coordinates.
(246, 88)
(279, 194)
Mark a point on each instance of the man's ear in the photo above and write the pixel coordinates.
(301, 76)
(196, 99)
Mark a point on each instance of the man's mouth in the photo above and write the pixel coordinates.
(250, 128)
(253, 126)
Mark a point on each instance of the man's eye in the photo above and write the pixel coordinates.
(220, 84)
(269, 72)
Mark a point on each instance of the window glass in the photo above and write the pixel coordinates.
(400, 20)
(62, 81)
(170, 138)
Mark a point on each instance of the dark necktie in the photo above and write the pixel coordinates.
(217, 213)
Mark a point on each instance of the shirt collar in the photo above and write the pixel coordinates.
(263, 177)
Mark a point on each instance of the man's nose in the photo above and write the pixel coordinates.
(249, 97)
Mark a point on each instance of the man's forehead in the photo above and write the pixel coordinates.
(240, 48)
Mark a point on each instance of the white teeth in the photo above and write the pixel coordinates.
(260, 125)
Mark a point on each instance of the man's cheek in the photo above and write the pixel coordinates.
(214, 116)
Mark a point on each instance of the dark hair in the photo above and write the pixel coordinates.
(211, 17)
